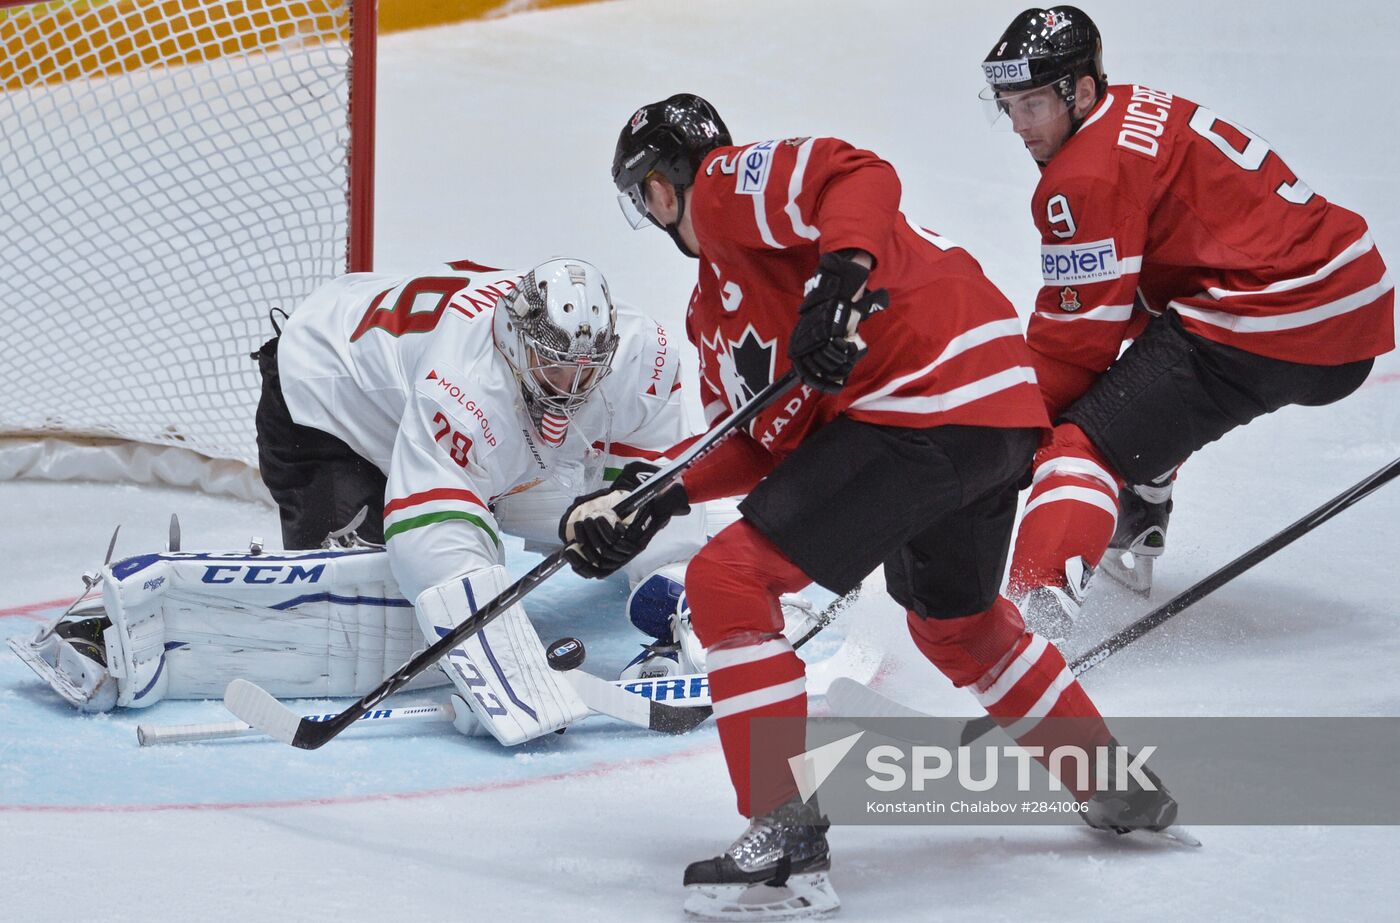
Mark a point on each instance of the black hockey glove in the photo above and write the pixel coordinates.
(824, 345)
(597, 543)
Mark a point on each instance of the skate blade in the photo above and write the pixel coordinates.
(1133, 571)
(802, 897)
(1175, 835)
(1179, 835)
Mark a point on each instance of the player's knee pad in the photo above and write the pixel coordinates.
(183, 625)
(734, 585)
(965, 649)
(500, 671)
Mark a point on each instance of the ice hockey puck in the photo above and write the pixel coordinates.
(565, 654)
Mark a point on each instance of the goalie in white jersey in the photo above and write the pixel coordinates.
(452, 408)
(486, 400)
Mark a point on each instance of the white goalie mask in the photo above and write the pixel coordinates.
(558, 331)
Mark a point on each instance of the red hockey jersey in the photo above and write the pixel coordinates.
(948, 350)
(1161, 203)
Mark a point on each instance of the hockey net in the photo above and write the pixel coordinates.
(169, 172)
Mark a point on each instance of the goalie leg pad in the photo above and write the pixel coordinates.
(183, 625)
(500, 671)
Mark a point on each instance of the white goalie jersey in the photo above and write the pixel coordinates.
(442, 415)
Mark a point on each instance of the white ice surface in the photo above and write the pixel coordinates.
(495, 143)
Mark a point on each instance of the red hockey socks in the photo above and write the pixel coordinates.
(1071, 511)
(1019, 677)
(733, 586)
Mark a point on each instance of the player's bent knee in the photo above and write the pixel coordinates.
(733, 585)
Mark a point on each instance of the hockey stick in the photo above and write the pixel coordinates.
(1174, 606)
(678, 719)
(150, 735)
(636, 701)
(257, 707)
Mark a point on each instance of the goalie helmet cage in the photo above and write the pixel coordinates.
(170, 171)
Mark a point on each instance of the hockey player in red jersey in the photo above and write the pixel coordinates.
(909, 457)
(1169, 226)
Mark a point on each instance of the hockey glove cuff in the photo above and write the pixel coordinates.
(597, 542)
(824, 345)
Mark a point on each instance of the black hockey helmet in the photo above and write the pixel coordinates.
(669, 137)
(1049, 47)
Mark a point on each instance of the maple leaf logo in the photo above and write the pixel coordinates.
(751, 359)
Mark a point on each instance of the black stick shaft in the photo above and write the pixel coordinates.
(1116, 642)
(1193, 594)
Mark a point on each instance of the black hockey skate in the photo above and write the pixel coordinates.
(1137, 810)
(777, 870)
(1140, 536)
(85, 635)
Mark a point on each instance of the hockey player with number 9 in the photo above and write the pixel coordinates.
(1170, 227)
(452, 408)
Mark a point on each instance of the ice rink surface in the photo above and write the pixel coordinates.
(495, 139)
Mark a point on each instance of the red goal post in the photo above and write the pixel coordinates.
(170, 170)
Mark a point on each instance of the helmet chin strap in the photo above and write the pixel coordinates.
(673, 230)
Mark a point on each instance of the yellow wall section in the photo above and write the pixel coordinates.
(48, 43)
(395, 15)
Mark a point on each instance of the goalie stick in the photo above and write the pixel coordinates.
(616, 700)
(634, 702)
(150, 735)
(257, 707)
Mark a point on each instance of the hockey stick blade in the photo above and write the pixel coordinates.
(1209, 584)
(668, 719)
(253, 705)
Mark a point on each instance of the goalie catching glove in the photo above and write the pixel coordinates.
(824, 346)
(597, 542)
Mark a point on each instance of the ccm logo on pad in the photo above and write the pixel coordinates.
(1066, 264)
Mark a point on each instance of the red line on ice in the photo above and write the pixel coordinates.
(596, 770)
(27, 611)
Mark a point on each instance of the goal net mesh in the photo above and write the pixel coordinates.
(169, 173)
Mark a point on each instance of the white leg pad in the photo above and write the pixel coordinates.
(299, 624)
(500, 671)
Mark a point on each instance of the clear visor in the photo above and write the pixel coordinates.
(634, 206)
(562, 382)
(1022, 110)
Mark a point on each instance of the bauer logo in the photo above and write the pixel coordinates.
(1075, 264)
(1003, 72)
(754, 165)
